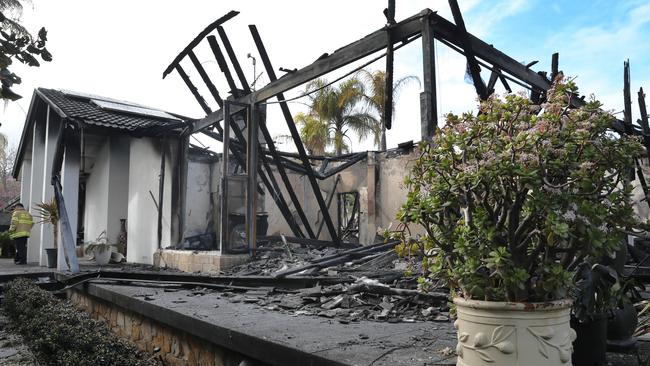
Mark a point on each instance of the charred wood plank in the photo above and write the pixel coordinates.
(231, 14)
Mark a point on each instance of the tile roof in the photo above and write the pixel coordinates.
(83, 108)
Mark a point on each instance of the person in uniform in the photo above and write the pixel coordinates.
(21, 226)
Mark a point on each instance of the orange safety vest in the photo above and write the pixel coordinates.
(21, 224)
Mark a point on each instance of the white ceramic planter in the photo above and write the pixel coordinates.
(102, 257)
(509, 334)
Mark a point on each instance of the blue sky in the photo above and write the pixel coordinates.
(592, 37)
(100, 48)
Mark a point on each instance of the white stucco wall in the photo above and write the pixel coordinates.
(96, 209)
(144, 170)
(36, 188)
(118, 181)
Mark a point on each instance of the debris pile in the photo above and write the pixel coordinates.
(373, 287)
(364, 299)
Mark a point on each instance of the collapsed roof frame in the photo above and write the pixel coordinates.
(427, 24)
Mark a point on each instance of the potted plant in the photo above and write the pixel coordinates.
(595, 299)
(100, 248)
(48, 213)
(511, 202)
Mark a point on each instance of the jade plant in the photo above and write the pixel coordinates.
(514, 199)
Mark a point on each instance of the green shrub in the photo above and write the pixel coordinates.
(61, 335)
(514, 199)
(7, 246)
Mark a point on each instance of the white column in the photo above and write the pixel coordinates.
(51, 135)
(70, 183)
(25, 181)
(36, 188)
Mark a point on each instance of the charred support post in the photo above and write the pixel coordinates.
(161, 188)
(224, 176)
(388, 95)
(251, 169)
(627, 96)
(645, 127)
(555, 66)
(296, 138)
(428, 104)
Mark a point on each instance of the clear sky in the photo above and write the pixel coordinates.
(120, 48)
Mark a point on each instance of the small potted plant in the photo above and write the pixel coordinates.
(100, 248)
(48, 213)
(511, 202)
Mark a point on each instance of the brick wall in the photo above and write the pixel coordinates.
(176, 348)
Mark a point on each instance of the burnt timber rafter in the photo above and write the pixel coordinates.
(374, 42)
(267, 136)
(474, 69)
(296, 138)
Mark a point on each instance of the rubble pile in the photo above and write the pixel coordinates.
(364, 299)
(374, 285)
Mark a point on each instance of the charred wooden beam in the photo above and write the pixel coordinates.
(645, 127)
(233, 59)
(296, 137)
(555, 66)
(428, 98)
(474, 68)
(390, 52)
(193, 89)
(206, 79)
(376, 41)
(198, 39)
(627, 99)
(494, 76)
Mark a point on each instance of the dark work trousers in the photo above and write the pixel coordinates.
(21, 250)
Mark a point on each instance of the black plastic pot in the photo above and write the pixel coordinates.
(51, 257)
(590, 346)
(622, 324)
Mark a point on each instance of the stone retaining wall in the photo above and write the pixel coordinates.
(197, 261)
(176, 348)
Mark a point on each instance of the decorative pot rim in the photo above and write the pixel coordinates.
(513, 306)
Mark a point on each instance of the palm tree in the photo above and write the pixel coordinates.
(313, 133)
(335, 110)
(375, 98)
